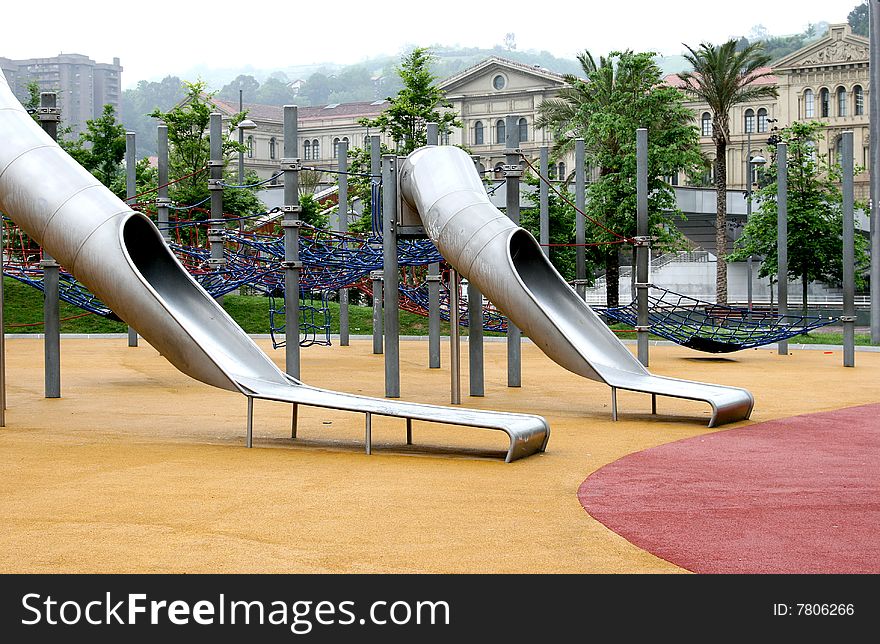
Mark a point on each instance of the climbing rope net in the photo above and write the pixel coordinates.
(713, 328)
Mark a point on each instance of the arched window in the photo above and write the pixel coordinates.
(307, 150)
(824, 102)
(523, 130)
(345, 138)
(809, 104)
(500, 131)
(561, 173)
(706, 124)
(272, 148)
(859, 96)
(552, 171)
(250, 147)
(762, 120)
(316, 149)
(478, 133)
(750, 121)
(336, 147)
(841, 101)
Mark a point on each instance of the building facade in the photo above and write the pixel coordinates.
(83, 86)
(827, 80)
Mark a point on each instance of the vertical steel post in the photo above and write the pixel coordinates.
(749, 269)
(454, 339)
(782, 236)
(130, 192)
(375, 182)
(215, 188)
(162, 200)
(376, 277)
(391, 274)
(49, 115)
(874, 120)
(513, 172)
(544, 202)
(342, 226)
(433, 288)
(643, 241)
(849, 270)
(476, 376)
(2, 331)
(580, 201)
(240, 140)
(290, 166)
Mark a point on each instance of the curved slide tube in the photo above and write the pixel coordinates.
(121, 257)
(508, 266)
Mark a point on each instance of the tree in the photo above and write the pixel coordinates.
(858, 19)
(561, 228)
(622, 93)
(419, 102)
(189, 151)
(139, 103)
(815, 216)
(360, 185)
(275, 92)
(724, 77)
(247, 84)
(101, 148)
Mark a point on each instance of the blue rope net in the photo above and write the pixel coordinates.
(713, 328)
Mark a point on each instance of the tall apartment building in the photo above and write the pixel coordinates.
(83, 86)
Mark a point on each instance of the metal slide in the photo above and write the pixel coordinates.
(508, 266)
(120, 256)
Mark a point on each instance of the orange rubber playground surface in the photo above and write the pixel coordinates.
(138, 468)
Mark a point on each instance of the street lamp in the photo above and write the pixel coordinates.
(246, 124)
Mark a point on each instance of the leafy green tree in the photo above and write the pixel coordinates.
(858, 19)
(561, 228)
(419, 102)
(815, 215)
(245, 83)
(138, 103)
(622, 93)
(723, 77)
(101, 148)
(189, 152)
(275, 92)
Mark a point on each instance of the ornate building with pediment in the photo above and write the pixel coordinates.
(827, 80)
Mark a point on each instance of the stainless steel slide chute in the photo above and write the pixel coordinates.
(507, 265)
(121, 257)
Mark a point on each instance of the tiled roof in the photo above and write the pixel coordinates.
(275, 113)
(771, 79)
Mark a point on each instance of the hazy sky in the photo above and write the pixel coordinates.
(158, 37)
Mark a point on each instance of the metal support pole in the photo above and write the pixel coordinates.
(433, 287)
(368, 433)
(580, 201)
(376, 277)
(614, 403)
(476, 377)
(162, 200)
(454, 339)
(433, 134)
(643, 247)
(240, 140)
(391, 274)
(249, 439)
(874, 120)
(2, 331)
(290, 167)
(130, 192)
(216, 222)
(342, 226)
(782, 236)
(749, 216)
(49, 116)
(849, 274)
(544, 202)
(409, 431)
(294, 420)
(475, 340)
(513, 172)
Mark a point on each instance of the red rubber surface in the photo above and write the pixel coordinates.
(797, 495)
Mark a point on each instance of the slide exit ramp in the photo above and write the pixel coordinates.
(507, 265)
(120, 256)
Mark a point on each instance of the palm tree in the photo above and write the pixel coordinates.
(723, 77)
